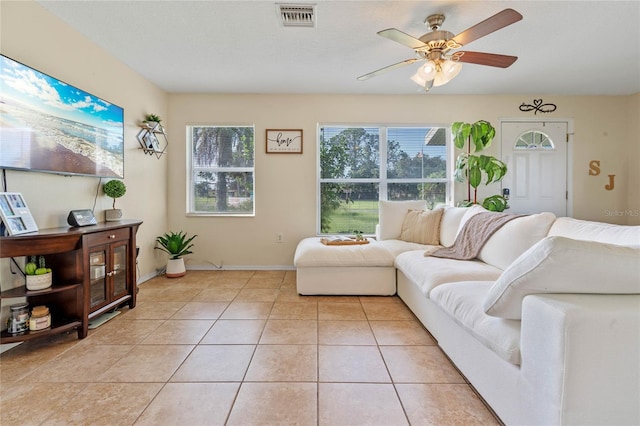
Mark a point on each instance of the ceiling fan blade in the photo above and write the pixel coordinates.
(490, 59)
(387, 68)
(402, 38)
(489, 25)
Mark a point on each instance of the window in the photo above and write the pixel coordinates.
(221, 172)
(534, 139)
(361, 165)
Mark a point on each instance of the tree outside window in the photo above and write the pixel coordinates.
(222, 170)
(361, 165)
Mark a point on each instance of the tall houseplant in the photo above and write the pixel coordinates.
(471, 167)
(114, 189)
(176, 244)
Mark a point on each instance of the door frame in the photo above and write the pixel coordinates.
(570, 134)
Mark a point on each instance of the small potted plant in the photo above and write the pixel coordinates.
(152, 120)
(176, 244)
(37, 275)
(114, 189)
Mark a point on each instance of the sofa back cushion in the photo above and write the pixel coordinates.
(422, 226)
(596, 231)
(564, 265)
(450, 223)
(392, 214)
(514, 238)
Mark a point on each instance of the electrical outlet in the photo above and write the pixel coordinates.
(279, 237)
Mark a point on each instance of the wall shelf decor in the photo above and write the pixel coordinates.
(284, 141)
(152, 138)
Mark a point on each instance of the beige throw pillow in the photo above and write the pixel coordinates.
(422, 227)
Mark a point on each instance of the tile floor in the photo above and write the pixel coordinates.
(240, 348)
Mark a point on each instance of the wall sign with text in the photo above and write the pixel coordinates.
(284, 141)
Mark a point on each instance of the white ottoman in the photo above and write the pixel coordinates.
(365, 269)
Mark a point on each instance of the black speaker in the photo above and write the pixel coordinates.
(81, 218)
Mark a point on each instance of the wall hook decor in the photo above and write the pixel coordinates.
(537, 105)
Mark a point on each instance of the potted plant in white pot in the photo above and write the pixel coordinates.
(37, 275)
(471, 167)
(114, 189)
(176, 244)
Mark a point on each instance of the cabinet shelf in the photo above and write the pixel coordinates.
(23, 292)
(56, 328)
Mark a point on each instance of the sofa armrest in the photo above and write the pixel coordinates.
(580, 358)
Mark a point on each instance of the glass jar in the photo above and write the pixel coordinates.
(40, 318)
(18, 321)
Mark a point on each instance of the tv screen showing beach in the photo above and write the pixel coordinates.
(47, 125)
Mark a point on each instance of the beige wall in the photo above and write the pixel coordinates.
(286, 184)
(31, 35)
(606, 129)
(633, 143)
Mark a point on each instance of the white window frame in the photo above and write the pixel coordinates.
(383, 181)
(190, 190)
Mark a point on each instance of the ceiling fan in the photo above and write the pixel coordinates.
(437, 47)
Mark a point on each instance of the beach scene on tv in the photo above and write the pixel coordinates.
(48, 125)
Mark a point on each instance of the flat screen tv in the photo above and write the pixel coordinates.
(47, 125)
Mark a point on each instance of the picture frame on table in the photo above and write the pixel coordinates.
(283, 141)
(15, 214)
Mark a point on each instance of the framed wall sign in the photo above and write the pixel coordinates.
(284, 141)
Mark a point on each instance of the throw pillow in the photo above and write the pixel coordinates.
(392, 215)
(422, 227)
(564, 265)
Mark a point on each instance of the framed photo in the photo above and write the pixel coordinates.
(151, 142)
(284, 141)
(15, 214)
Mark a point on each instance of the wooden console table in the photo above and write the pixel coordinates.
(94, 270)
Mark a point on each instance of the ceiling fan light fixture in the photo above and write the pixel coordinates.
(448, 71)
(422, 82)
(428, 71)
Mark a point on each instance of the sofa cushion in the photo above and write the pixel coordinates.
(422, 226)
(398, 246)
(429, 272)
(514, 238)
(468, 214)
(595, 231)
(392, 214)
(450, 223)
(564, 265)
(310, 252)
(462, 301)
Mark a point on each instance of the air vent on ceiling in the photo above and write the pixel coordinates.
(297, 15)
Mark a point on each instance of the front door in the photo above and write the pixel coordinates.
(536, 158)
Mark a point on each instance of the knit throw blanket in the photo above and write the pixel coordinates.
(473, 236)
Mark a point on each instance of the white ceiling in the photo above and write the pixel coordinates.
(564, 47)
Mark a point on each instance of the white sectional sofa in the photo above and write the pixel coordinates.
(544, 323)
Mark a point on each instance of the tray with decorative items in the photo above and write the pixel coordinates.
(343, 240)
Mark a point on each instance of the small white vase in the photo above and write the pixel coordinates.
(175, 268)
(113, 215)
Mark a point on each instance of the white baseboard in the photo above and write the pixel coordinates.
(241, 268)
